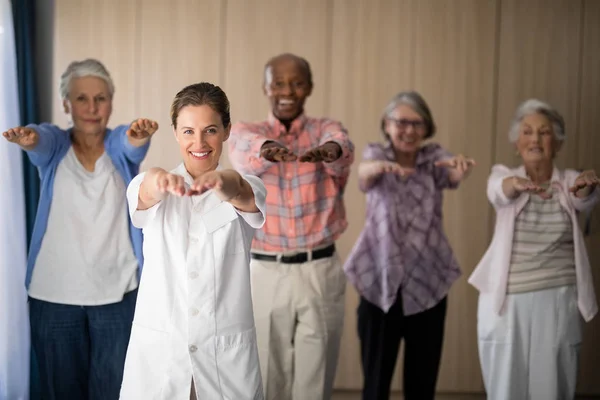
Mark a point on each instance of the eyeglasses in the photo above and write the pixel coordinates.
(403, 124)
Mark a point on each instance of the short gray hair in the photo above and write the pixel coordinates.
(79, 69)
(534, 106)
(415, 101)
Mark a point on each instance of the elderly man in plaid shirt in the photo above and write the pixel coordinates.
(298, 285)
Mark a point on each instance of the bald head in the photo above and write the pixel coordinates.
(288, 82)
(301, 63)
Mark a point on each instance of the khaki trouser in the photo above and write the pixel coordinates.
(299, 315)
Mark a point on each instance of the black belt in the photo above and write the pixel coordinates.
(298, 258)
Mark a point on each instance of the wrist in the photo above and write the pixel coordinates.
(337, 149)
(269, 143)
(584, 192)
(154, 172)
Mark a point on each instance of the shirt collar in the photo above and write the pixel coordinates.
(555, 174)
(297, 124)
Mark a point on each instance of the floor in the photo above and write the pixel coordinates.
(352, 395)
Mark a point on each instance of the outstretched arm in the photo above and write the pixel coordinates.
(26, 138)
(41, 142)
(156, 185)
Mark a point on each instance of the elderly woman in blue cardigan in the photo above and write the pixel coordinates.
(85, 256)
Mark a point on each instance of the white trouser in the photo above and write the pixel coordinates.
(299, 316)
(531, 351)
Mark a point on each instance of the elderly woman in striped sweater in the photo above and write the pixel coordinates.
(535, 279)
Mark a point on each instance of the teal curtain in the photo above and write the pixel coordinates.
(24, 25)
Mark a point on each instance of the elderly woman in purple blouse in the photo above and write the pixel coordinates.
(402, 264)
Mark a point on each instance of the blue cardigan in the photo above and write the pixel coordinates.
(53, 145)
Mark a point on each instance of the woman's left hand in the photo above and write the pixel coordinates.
(460, 166)
(585, 183)
(229, 186)
(224, 184)
(142, 128)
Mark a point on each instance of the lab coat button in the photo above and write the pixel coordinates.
(193, 275)
(193, 349)
(194, 312)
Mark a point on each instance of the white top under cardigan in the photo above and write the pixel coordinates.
(86, 257)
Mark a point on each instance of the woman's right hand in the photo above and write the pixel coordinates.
(25, 137)
(370, 171)
(385, 167)
(156, 185)
(168, 183)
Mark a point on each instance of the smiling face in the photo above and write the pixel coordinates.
(536, 142)
(200, 133)
(405, 128)
(89, 105)
(287, 85)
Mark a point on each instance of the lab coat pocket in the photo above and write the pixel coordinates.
(239, 370)
(222, 222)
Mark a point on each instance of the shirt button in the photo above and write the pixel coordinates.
(193, 349)
(193, 239)
(291, 231)
(193, 275)
(288, 175)
(194, 312)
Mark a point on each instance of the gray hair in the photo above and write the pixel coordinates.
(534, 106)
(79, 69)
(415, 101)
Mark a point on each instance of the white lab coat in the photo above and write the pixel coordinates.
(193, 316)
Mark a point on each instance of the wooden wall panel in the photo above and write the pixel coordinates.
(180, 43)
(99, 29)
(455, 65)
(473, 60)
(588, 141)
(539, 57)
(260, 29)
(372, 55)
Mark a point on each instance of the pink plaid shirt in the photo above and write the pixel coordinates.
(305, 207)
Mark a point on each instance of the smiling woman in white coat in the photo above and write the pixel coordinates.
(193, 333)
(535, 280)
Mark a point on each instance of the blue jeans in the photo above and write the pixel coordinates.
(80, 350)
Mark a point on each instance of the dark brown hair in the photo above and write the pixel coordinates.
(199, 94)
